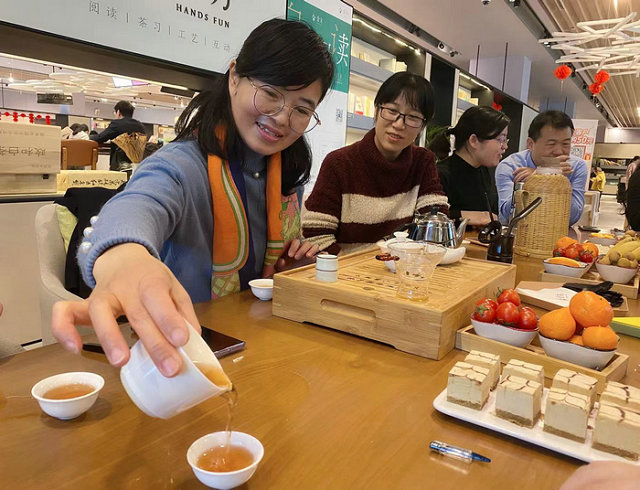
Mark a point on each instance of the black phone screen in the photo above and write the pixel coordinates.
(221, 344)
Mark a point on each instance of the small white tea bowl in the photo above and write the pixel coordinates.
(69, 408)
(230, 479)
(262, 288)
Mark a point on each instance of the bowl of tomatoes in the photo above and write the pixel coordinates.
(505, 320)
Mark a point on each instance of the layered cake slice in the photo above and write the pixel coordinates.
(566, 414)
(617, 431)
(488, 361)
(468, 385)
(623, 395)
(521, 369)
(566, 379)
(518, 400)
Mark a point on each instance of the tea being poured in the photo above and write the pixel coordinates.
(214, 374)
(66, 392)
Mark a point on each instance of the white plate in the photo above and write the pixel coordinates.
(487, 418)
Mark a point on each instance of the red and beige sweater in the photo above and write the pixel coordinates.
(360, 196)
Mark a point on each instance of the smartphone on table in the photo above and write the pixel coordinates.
(221, 344)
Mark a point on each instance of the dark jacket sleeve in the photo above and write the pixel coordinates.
(107, 134)
(633, 201)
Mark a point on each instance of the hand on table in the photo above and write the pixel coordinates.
(297, 253)
(604, 475)
(132, 282)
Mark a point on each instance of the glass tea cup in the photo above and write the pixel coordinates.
(416, 264)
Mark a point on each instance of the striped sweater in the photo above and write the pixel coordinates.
(360, 196)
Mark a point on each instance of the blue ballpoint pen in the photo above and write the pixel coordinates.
(457, 452)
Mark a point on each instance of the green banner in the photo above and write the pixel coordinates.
(336, 34)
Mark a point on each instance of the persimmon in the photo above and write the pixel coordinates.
(590, 309)
(557, 324)
(601, 338)
(576, 339)
(564, 242)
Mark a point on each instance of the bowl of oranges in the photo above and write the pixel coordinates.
(580, 333)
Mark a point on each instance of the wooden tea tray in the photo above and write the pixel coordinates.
(363, 301)
(629, 290)
(467, 340)
(622, 310)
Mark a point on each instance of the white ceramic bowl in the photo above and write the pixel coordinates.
(602, 241)
(453, 255)
(506, 335)
(577, 354)
(262, 288)
(72, 407)
(613, 273)
(565, 270)
(229, 479)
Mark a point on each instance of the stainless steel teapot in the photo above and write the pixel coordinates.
(436, 227)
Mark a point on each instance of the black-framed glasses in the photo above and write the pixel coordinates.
(270, 101)
(389, 114)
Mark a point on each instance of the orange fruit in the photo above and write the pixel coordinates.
(564, 242)
(564, 261)
(601, 338)
(591, 247)
(590, 310)
(557, 324)
(577, 339)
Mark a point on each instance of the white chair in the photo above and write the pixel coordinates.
(52, 256)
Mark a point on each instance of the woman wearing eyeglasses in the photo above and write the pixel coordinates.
(212, 210)
(370, 188)
(480, 140)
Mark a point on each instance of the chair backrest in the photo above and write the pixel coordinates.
(78, 153)
(52, 257)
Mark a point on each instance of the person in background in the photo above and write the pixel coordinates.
(212, 210)
(124, 123)
(597, 182)
(81, 132)
(632, 201)
(632, 166)
(480, 140)
(548, 145)
(368, 189)
(67, 131)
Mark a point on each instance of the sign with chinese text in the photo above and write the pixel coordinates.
(29, 148)
(205, 34)
(583, 141)
(331, 19)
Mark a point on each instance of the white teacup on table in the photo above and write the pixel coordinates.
(162, 397)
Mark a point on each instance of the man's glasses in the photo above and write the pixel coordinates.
(389, 114)
(269, 101)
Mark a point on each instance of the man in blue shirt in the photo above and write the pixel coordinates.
(548, 145)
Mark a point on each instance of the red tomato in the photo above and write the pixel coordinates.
(490, 302)
(509, 295)
(528, 318)
(573, 251)
(508, 314)
(484, 313)
(558, 252)
(587, 256)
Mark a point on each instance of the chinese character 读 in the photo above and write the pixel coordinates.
(112, 13)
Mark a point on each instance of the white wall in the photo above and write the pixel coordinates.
(621, 135)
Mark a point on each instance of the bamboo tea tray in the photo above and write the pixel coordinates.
(363, 301)
(467, 340)
(630, 290)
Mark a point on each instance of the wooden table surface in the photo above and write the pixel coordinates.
(332, 410)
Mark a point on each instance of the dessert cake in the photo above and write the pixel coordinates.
(518, 400)
(525, 370)
(566, 414)
(468, 385)
(617, 431)
(566, 379)
(488, 361)
(623, 395)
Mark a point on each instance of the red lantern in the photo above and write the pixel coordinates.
(39, 116)
(602, 77)
(596, 88)
(562, 72)
(48, 120)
